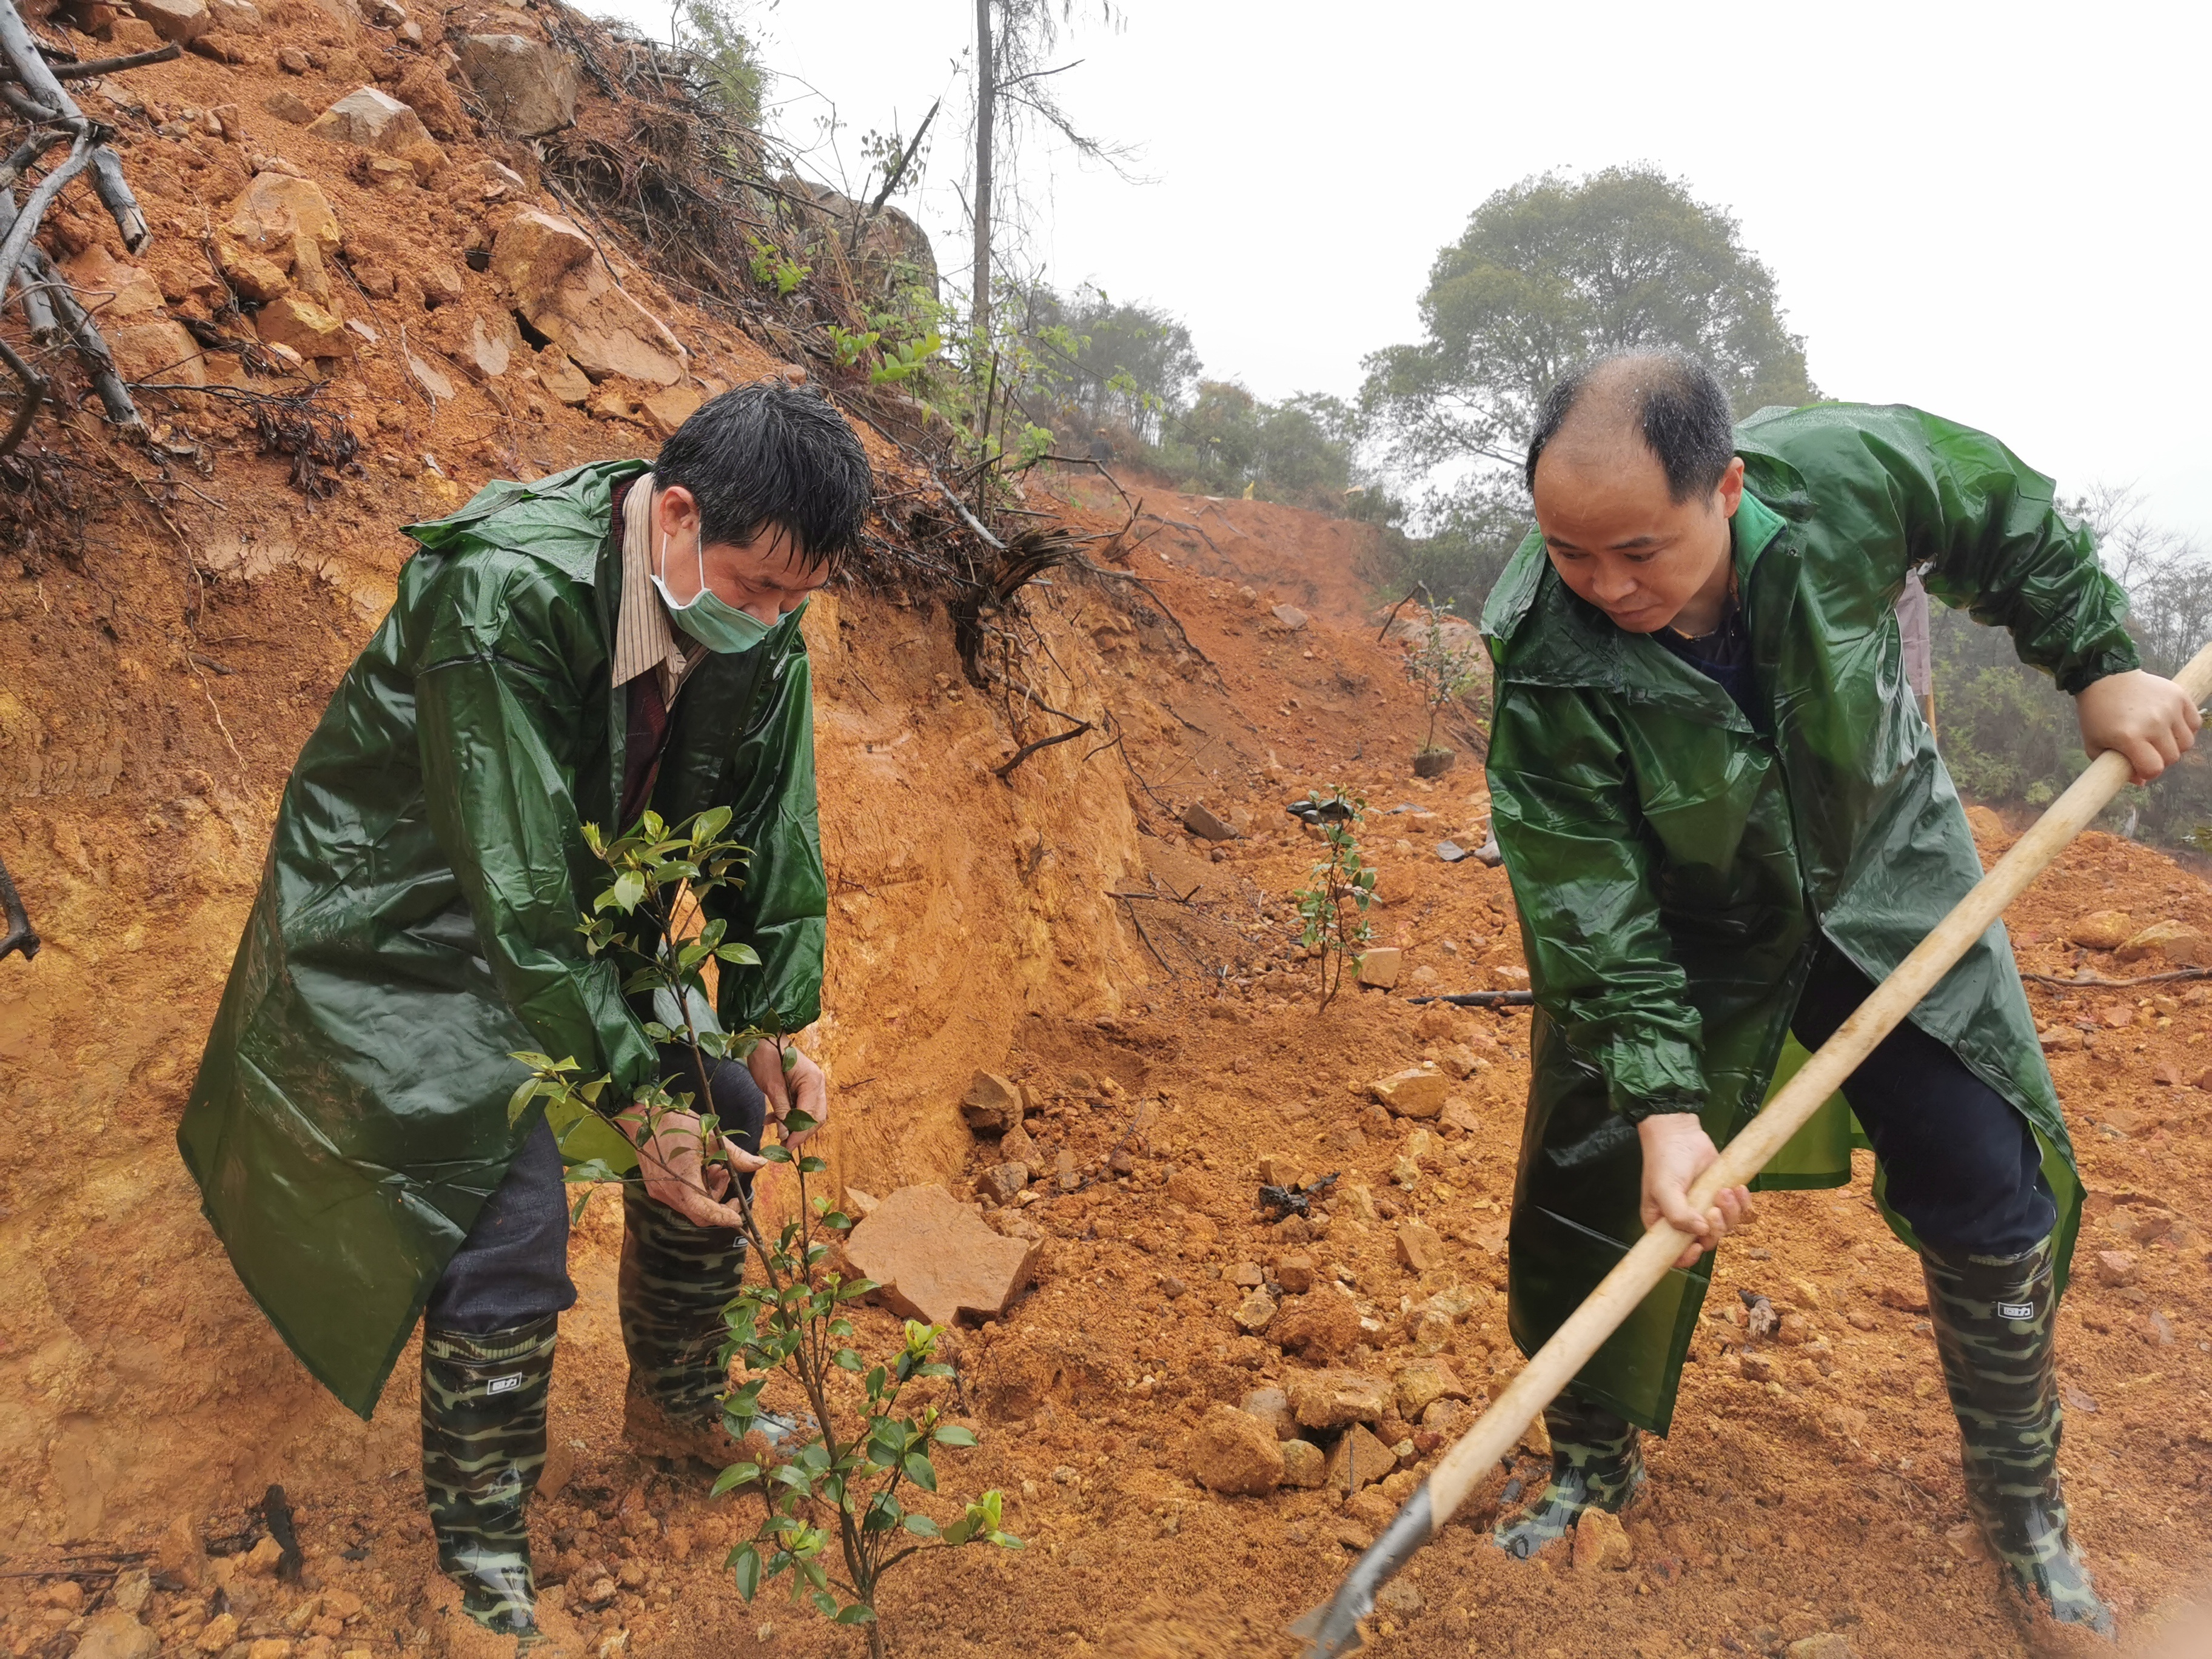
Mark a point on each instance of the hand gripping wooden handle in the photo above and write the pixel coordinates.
(1333, 1629)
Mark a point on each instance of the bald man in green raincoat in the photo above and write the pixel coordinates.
(1725, 819)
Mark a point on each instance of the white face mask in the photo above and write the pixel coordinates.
(707, 616)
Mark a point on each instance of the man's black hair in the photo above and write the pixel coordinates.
(1680, 407)
(772, 454)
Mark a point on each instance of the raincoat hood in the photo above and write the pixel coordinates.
(416, 919)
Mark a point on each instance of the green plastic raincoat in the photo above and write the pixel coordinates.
(1671, 860)
(416, 920)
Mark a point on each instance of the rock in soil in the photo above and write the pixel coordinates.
(2102, 930)
(1254, 1313)
(1399, 1599)
(1421, 1248)
(1295, 1273)
(1321, 1326)
(1412, 1093)
(1234, 1453)
(1331, 1399)
(528, 87)
(935, 1259)
(1380, 966)
(1304, 1464)
(1602, 1542)
(116, 1635)
(1424, 1382)
(1358, 1456)
(2116, 1268)
(1272, 1408)
(992, 1105)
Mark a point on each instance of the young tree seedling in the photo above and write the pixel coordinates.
(830, 1489)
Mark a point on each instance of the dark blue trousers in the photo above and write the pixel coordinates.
(1962, 1165)
(513, 1268)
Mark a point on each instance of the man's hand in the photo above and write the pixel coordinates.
(786, 1077)
(2149, 720)
(1676, 1152)
(676, 1172)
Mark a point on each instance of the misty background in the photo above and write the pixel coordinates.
(1997, 215)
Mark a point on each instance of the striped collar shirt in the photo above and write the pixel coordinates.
(644, 637)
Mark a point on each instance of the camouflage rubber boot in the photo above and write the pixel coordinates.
(676, 1278)
(1993, 1322)
(483, 1447)
(1597, 1459)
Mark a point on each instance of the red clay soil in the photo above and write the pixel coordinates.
(1060, 927)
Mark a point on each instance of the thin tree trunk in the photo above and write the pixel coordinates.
(987, 99)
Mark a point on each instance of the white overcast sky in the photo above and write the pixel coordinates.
(1996, 212)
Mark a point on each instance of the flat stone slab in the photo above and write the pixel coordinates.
(936, 1259)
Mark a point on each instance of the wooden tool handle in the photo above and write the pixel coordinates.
(1634, 1276)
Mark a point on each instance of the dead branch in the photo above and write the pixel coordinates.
(1383, 632)
(1197, 531)
(94, 66)
(1005, 773)
(2091, 982)
(22, 55)
(34, 393)
(1152, 596)
(1146, 937)
(862, 221)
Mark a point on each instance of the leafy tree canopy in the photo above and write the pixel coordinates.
(1552, 272)
(1104, 362)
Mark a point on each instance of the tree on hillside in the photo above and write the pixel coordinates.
(1014, 41)
(1549, 273)
(1100, 362)
(1299, 451)
(1552, 272)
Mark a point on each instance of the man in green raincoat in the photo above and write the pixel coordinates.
(565, 653)
(1725, 819)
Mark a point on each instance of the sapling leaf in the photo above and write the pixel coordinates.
(920, 1471)
(737, 1474)
(951, 1434)
(519, 1102)
(921, 1526)
(744, 1561)
(859, 1613)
